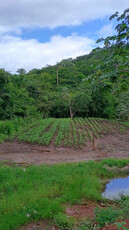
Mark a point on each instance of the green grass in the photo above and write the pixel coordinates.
(40, 192)
(10, 128)
(113, 215)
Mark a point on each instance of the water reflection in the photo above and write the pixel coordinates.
(117, 187)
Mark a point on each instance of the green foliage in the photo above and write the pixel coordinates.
(10, 128)
(113, 162)
(67, 132)
(86, 225)
(114, 67)
(109, 215)
(113, 214)
(122, 29)
(39, 192)
(63, 222)
(92, 85)
(121, 225)
(123, 106)
(7, 129)
(60, 132)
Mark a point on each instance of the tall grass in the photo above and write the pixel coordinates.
(40, 192)
(10, 128)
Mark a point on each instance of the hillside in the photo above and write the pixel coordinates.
(93, 85)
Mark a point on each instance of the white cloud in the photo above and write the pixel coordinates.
(107, 30)
(53, 13)
(16, 15)
(28, 54)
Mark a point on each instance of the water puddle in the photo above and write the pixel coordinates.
(116, 188)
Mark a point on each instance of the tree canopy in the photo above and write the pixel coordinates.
(96, 84)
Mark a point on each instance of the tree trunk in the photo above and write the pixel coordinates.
(57, 80)
(71, 113)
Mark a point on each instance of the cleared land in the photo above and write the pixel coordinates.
(68, 132)
(61, 196)
(64, 140)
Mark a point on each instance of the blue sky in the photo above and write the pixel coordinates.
(34, 33)
(89, 29)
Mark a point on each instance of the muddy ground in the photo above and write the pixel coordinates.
(80, 213)
(111, 146)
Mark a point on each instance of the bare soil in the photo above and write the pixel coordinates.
(114, 227)
(111, 146)
(41, 225)
(82, 211)
(78, 212)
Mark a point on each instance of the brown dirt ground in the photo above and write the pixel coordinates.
(82, 211)
(114, 227)
(79, 212)
(111, 146)
(41, 225)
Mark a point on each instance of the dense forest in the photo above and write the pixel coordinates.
(93, 85)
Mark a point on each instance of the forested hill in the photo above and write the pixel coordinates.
(81, 89)
(94, 85)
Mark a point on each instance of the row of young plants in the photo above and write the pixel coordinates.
(66, 132)
(59, 132)
(34, 132)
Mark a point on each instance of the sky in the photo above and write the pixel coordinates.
(34, 33)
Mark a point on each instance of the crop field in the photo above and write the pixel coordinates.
(67, 132)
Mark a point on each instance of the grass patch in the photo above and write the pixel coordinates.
(120, 163)
(40, 192)
(107, 216)
(113, 214)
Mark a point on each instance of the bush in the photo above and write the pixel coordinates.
(63, 222)
(108, 216)
(7, 127)
(123, 106)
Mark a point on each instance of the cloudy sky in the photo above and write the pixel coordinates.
(34, 33)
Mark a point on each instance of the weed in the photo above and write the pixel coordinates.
(121, 225)
(108, 216)
(39, 192)
(63, 222)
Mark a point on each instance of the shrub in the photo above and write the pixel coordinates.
(63, 222)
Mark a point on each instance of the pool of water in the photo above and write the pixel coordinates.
(116, 188)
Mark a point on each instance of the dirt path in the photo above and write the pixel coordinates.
(112, 146)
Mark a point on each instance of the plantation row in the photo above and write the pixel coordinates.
(67, 132)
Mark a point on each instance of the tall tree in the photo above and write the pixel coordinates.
(21, 71)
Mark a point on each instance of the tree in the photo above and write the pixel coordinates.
(116, 50)
(21, 71)
(122, 29)
(76, 101)
(4, 93)
(110, 75)
(123, 106)
(63, 64)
